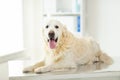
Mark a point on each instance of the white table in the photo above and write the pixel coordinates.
(87, 72)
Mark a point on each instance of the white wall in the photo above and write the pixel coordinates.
(28, 24)
(103, 23)
(32, 34)
(38, 19)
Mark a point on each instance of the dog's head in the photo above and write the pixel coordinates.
(52, 32)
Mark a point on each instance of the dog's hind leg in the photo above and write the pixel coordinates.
(106, 59)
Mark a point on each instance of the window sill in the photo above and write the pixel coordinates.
(12, 56)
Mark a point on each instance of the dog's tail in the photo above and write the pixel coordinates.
(105, 58)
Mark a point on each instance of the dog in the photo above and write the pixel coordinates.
(64, 51)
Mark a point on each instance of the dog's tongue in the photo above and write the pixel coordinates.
(52, 44)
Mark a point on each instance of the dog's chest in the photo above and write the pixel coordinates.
(49, 59)
(62, 58)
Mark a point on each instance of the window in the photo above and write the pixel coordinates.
(11, 25)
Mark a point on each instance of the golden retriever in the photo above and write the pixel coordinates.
(64, 51)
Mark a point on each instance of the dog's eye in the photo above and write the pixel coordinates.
(46, 26)
(56, 27)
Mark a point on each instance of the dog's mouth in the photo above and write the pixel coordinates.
(52, 42)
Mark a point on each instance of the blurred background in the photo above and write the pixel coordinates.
(20, 20)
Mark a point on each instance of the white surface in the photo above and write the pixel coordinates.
(89, 71)
(63, 14)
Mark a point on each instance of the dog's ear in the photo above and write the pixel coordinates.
(64, 31)
(66, 34)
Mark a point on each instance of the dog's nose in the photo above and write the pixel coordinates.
(51, 34)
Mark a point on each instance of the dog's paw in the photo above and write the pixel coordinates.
(42, 70)
(28, 69)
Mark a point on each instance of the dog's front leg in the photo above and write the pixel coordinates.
(43, 69)
(32, 68)
(55, 67)
(59, 63)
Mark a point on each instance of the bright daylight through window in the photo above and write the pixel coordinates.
(11, 25)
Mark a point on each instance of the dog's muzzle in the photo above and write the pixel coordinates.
(52, 40)
(51, 34)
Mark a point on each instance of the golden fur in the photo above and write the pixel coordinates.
(69, 52)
